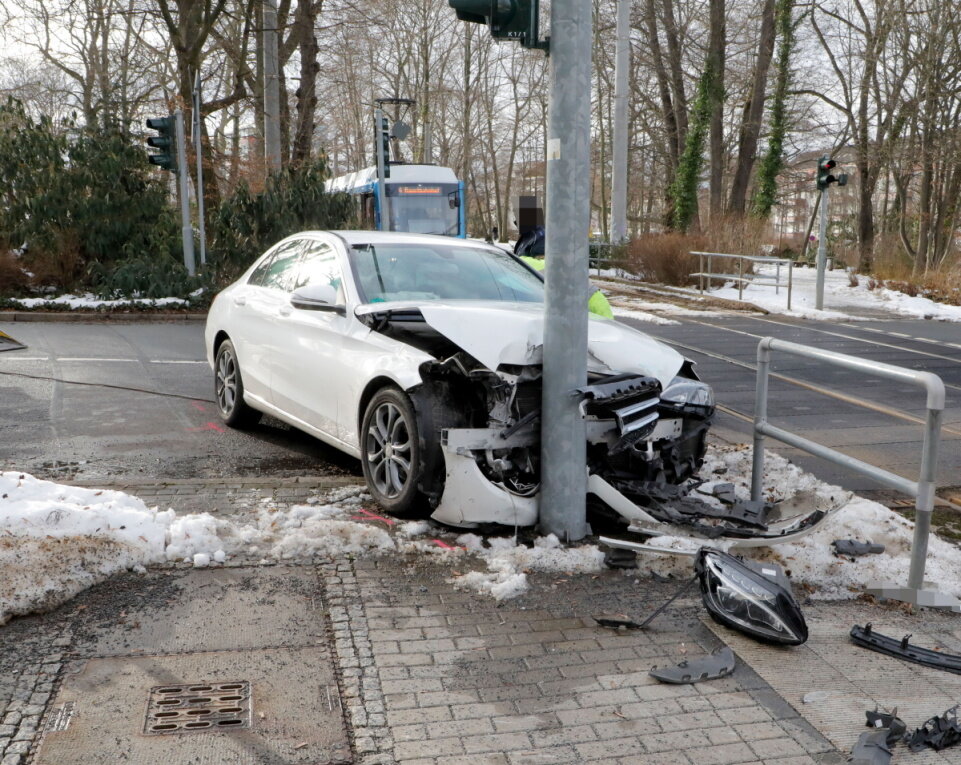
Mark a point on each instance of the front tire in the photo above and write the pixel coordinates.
(390, 451)
(229, 389)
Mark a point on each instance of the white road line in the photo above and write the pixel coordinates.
(84, 358)
(118, 361)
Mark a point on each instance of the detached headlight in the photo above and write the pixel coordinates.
(683, 393)
(751, 598)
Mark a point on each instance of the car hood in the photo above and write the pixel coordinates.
(497, 333)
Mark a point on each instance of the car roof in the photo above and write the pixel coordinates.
(402, 237)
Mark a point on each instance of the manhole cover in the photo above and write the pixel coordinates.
(198, 707)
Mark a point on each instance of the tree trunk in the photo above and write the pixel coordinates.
(716, 47)
(752, 114)
(305, 17)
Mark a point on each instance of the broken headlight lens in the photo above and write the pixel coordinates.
(755, 602)
(684, 394)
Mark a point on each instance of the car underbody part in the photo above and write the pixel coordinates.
(617, 558)
(753, 598)
(937, 733)
(855, 548)
(718, 664)
(889, 721)
(866, 637)
(7, 343)
(872, 748)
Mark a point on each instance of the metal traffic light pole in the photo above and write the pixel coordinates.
(622, 58)
(822, 249)
(186, 230)
(563, 437)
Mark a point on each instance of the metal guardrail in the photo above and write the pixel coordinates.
(740, 277)
(923, 490)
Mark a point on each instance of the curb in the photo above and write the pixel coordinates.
(128, 317)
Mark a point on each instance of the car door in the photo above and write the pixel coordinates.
(310, 367)
(259, 315)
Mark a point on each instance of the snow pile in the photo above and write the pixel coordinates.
(89, 301)
(56, 541)
(508, 563)
(810, 561)
(841, 300)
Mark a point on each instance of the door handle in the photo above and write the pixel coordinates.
(240, 300)
(284, 310)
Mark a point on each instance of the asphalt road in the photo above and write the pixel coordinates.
(101, 399)
(871, 418)
(75, 403)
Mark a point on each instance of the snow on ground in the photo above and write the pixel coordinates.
(841, 300)
(57, 540)
(89, 301)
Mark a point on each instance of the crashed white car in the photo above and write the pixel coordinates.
(421, 355)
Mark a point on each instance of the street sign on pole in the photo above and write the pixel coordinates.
(563, 437)
(186, 230)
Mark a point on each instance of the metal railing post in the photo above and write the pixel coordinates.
(924, 504)
(700, 271)
(916, 592)
(760, 417)
(777, 278)
(790, 283)
(740, 278)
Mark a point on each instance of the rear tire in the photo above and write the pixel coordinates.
(390, 452)
(229, 389)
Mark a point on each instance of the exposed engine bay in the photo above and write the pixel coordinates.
(480, 428)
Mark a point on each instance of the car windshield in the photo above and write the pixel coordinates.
(401, 271)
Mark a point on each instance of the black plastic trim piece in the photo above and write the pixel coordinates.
(902, 649)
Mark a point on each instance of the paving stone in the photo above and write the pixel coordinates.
(777, 747)
(721, 755)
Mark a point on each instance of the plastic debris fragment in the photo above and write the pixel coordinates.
(718, 664)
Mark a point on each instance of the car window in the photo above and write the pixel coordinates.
(319, 266)
(282, 268)
(405, 271)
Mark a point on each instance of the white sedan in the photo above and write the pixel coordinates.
(421, 355)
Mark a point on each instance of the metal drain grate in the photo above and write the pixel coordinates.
(198, 707)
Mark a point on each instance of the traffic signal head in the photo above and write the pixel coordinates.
(825, 178)
(165, 142)
(383, 144)
(507, 19)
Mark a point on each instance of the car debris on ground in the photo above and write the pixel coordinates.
(711, 667)
(855, 548)
(866, 637)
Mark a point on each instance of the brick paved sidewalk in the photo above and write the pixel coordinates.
(461, 679)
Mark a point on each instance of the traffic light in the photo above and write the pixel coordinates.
(825, 177)
(166, 142)
(507, 19)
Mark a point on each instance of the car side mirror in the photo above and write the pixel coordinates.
(316, 297)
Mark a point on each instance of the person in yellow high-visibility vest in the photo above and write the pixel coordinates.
(597, 304)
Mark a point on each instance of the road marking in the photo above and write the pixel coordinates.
(84, 358)
(91, 358)
(838, 395)
(812, 329)
(851, 337)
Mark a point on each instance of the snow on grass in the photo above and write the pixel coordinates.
(630, 313)
(89, 301)
(841, 300)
